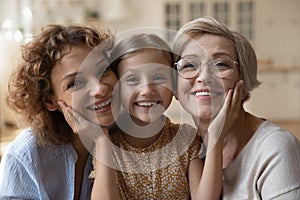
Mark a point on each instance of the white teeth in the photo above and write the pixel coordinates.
(203, 93)
(146, 104)
(206, 93)
(101, 105)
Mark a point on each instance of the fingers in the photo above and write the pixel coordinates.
(236, 102)
(238, 93)
(230, 109)
(81, 125)
(68, 114)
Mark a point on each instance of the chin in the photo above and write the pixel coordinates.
(106, 122)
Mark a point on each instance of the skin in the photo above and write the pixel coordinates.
(145, 78)
(146, 92)
(86, 92)
(205, 181)
(245, 123)
(210, 112)
(89, 90)
(201, 106)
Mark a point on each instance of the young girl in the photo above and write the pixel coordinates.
(154, 158)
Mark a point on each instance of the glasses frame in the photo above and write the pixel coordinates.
(199, 70)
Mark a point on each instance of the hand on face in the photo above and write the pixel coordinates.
(84, 80)
(80, 125)
(226, 117)
(94, 137)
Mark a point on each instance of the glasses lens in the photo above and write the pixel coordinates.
(188, 68)
(221, 67)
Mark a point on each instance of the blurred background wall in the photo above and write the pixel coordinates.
(272, 26)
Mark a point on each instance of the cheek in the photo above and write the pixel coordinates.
(167, 94)
(126, 93)
(77, 100)
(183, 86)
(230, 83)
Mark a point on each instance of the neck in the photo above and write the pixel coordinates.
(142, 136)
(202, 125)
(238, 136)
(79, 147)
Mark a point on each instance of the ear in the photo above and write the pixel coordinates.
(50, 103)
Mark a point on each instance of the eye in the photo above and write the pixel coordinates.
(132, 80)
(222, 64)
(189, 64)
(75, 84)
(159, 78)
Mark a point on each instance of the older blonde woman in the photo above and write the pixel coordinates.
(260, 159)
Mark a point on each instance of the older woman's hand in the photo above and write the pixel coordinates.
(226, 117)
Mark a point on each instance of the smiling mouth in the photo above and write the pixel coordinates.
(147, 104)
(100, 106)
(206, 93)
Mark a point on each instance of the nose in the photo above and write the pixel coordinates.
(147, 89)
(204, 74)
(99, 89)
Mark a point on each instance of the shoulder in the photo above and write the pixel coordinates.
(277, 153)
(24, 143)
(273, 146)
(276, 137)
(25, 150)
(183, 128)
(186, 134)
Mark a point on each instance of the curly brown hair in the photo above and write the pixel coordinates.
(30, 83)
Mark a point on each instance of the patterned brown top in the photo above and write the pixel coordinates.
(159, 171)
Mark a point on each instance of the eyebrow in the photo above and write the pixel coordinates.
(71, 75)
(212, 56)
(98, 66)
(97, 63)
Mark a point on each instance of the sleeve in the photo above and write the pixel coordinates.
(280, 178)
(15, 180)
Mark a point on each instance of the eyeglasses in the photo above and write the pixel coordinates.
(219, 67)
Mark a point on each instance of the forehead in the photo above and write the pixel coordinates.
(78, 60)
(141, 57)
(209, 46)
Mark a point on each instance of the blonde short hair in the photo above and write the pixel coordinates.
(246, 56)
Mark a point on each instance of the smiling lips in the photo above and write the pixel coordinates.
(147, 103)
(206, 93)
(100, 105)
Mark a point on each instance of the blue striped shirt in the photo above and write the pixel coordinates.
(29, 171)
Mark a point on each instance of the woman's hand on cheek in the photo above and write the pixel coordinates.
(67, 114)
(228, 114)
(80, 125)
(233, 105)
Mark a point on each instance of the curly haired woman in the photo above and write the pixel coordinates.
(47, 160)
